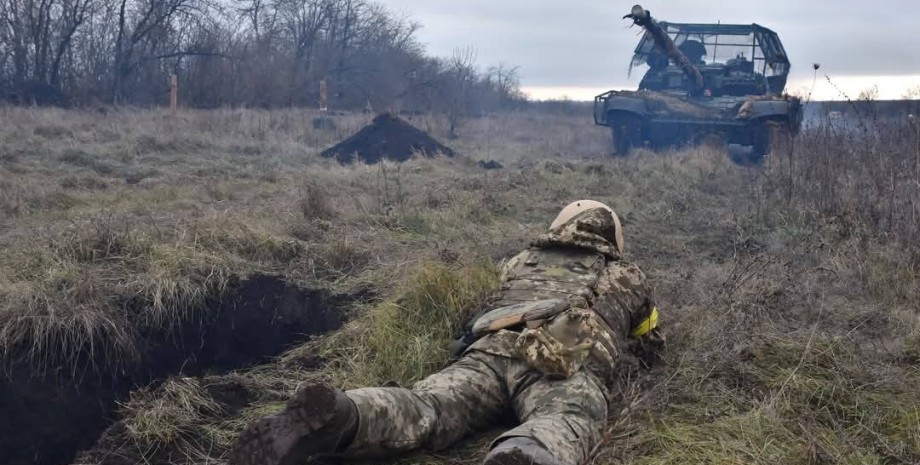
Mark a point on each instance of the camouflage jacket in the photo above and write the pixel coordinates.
(578, 263)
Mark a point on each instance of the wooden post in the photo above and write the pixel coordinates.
(173, 94)
(323, 96)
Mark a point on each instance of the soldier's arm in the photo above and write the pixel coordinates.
(510, 265)
(636, 311)
(648, 341)
(644, 315)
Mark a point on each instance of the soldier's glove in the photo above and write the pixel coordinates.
(648, 347)
(459, 345)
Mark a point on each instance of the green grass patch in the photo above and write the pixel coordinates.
(406, 338)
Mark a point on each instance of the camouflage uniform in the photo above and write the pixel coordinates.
(553, 377)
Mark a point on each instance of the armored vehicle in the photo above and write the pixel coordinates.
(702, 79)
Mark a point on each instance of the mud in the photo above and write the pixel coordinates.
(48, 419)
(387, 137)
(489, 165)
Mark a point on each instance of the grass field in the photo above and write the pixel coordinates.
(789, 292)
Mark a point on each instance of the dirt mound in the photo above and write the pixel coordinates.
(489, 165)
(387, 137)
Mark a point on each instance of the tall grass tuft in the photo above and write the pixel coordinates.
(405, 338)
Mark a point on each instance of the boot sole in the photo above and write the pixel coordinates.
(517, 456)
(281, 439)
(510, 457)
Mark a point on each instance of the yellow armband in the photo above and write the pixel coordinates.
(647, 324)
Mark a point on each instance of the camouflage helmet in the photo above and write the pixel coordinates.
(575, 208)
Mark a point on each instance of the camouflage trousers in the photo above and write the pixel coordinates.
(479, 390)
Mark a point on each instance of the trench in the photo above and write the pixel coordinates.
(47, 420)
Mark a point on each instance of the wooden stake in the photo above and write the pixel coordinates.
(323, 96)
(173, 94)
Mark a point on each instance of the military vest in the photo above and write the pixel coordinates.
(565, 273)
(559, 345)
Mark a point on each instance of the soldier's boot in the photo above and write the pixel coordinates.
(520, 451)
(318, 420)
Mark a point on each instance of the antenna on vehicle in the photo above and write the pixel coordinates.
(715, 47)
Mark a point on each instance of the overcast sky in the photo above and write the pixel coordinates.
(582, 47)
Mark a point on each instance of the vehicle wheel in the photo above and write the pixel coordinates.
(627, 133)
(744, 156)
(765, 133)
(760, 146)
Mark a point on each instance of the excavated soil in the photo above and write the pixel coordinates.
(387, 137)
(48, 419)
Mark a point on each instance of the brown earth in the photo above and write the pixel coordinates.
(387, 137)
(62, 413)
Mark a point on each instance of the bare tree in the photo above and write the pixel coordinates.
(73, 14)
(303, 20)
(506, 82)
(143, 33)
(37, 35)
(460, 74)
(237, 52)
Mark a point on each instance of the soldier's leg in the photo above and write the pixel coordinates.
(470, 394)
(318, 419)
(565, 416)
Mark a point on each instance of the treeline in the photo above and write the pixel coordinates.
(261, 53)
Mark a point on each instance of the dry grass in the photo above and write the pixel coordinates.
(186, 420)
(791, 312)
(85, 294)
(173, 415)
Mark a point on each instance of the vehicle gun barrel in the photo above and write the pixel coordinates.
(643, 17)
